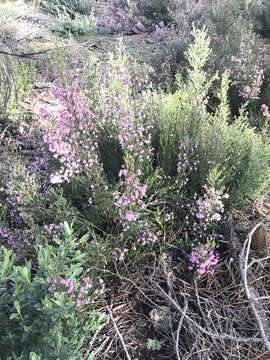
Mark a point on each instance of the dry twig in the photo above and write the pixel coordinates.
(250, 292)
(118, 333)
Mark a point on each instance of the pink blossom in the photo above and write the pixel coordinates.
(129, 216)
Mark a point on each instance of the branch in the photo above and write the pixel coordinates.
(204, 331)
(118, 333)
(179, 329)
(24, 55)
(250, 292)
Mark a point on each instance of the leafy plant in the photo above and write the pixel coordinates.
(154, 344)
(192, 141)
(76, 25)
(260, 12)
(82, 7)
(39, 315)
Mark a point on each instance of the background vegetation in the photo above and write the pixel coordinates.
(132, 169)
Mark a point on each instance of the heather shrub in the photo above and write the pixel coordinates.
(16, 82)
(155, 10)
(6, 88)
(76, 25)
(135, 16)
(42, 304)
(83, 7)
(236, 48)
(124, 157)
(193, 142)
(260, 13)
(99, 139)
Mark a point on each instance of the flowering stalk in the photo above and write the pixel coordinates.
(203, 259)
(252, 92)
(71, 136)
(130, 200)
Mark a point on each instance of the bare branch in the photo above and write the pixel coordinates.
(179, 329)
(118, 333)
(250, 292)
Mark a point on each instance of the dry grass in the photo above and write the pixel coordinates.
(224, 316)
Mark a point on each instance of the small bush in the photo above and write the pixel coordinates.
(39, 303)
(77, 25)
(6, 88)
(188, 133)
(82, 7)
(260, 13)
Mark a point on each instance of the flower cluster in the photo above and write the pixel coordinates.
(252, 92)
(120, 254)
(121, 19)
(19, 240)
(56, 283)
(85, 285)
(135, 140)
(79, 290)
(51, 230)
(203, 259)
(147, 237)
(7, 236)
(161, 31)
(71, 136)
(82, 298)
(16, 217)
(210, 207)
(187, 163)
(130, 200)
(203, 212)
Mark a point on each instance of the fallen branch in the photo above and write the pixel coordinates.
(203, 330)
(250, 292)
(179, 329)
(118, 333)
(25, 55)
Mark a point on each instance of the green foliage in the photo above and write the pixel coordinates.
(6, 88)
(83, 7)
(215, 141)
(75, 16)
(16, 82)
(154, 344)
(235, 45)
(37, 322)
(260, 12)
(77, 25)
(155, 10)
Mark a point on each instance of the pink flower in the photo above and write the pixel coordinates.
(130, 216)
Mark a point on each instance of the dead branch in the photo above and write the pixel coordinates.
(250, 292)
(118, 333)
(25, 55)
(179, 329)
(203, 330)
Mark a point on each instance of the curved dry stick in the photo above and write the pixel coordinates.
(118, 333)
(243, 262)
(179, 329)
(203, 330)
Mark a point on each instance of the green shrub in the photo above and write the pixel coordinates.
(76, 25)
(155, 10)
(236, 48)
(260, 12)
(75, 16)
(39, 319)
(83, 7)
(6, 88)
(16, 82)
(202, 142)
